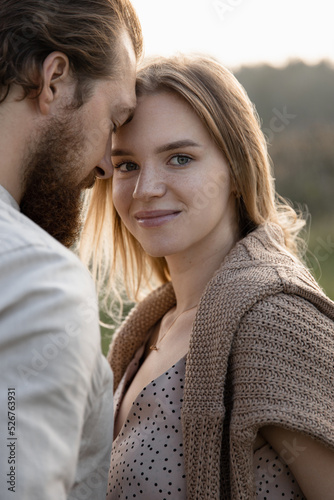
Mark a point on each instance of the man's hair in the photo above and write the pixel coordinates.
(87, 31)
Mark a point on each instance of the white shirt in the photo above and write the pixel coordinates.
(55, 386)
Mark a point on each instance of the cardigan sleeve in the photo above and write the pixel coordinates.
(281, 373)
(283, 368)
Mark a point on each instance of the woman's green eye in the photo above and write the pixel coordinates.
(180, 160)
(126, 166)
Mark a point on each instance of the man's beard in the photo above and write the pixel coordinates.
(52, 195)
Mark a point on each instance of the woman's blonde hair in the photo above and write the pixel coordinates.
(227, 113)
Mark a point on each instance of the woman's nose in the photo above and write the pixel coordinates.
(150, 183)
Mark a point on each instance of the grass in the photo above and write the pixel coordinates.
(321, 253)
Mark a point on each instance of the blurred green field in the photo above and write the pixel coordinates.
(106, 333)
(321, 253)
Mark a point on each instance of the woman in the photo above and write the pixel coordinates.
(224, 374)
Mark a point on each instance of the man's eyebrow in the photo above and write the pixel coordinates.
(129, 112)
(161, 149)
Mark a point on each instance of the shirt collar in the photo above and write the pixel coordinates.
(6, 197)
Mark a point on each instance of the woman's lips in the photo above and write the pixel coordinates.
(155, 218)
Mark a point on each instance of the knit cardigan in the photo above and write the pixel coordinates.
(261, 352)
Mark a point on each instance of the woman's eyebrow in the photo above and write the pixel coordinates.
(121, 152)
(176, 145)
(161, 149)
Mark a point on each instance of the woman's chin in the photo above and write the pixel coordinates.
(155, 254)
(158, 252)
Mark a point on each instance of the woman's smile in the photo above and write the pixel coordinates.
(155, 218)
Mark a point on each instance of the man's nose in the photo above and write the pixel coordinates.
(105, 169)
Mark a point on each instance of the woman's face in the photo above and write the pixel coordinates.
(171, 184)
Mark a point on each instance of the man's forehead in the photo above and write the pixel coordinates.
(122, 94)
(128, 109)
(125, 113)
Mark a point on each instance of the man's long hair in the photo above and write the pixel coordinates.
(87, 31)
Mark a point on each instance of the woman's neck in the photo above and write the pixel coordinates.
(191, 273)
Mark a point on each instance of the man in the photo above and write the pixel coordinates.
(67, 79)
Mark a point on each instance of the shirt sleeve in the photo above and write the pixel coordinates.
(52, 374)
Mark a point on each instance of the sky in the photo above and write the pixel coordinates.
(240, 32)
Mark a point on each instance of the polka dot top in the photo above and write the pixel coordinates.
(147, 456)
(273, 478)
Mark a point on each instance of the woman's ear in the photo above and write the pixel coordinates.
(56, 80)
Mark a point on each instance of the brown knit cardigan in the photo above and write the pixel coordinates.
(261, 352)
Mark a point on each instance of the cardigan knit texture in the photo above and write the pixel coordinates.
(261, 353)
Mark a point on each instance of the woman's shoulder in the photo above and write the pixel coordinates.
(259, 267)
(288, 337)
(292, 314)
(149, 310)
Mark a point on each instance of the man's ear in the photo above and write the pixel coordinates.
(56, 79)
